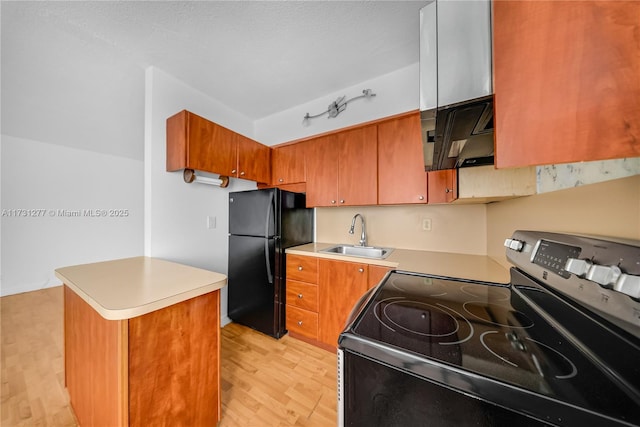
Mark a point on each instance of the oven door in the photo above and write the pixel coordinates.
(371, 393)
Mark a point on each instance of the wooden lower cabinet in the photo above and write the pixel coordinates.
(161, 368)
(303, 322)
(321, 294)
(95, 364)
(302, 297)
(340, 286)
(376, 274)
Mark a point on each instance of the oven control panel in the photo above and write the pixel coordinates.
(601, 274)
(554, 256)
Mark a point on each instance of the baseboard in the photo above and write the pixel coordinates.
(224, 321)
(12, 290)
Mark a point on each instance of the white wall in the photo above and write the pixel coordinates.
(43, 176)
(176, 213)
(396, 92)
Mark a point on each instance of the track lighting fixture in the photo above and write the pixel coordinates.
(337, 106)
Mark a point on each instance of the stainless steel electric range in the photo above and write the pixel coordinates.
(558, 345)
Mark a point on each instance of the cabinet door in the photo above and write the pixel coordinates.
(376, 274)
(302, 268)
(303, 322)
(401, 175)
(254, 160)
(358, 166)
(210, 147)
(302, 295)
(322, 171)
(177, 141)
(289, 164)
(443, 186)
(566, 81)
(340, 285)
(174, 356)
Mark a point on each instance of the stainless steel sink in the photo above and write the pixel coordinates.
(359, 251)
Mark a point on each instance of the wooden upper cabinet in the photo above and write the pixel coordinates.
(254, 160)
(194, 142)
(401, 175)
(443, 186)
(358, 167)
(289, 164)
(342, 168)
(566, 81)
(322, 171)
(340, 286)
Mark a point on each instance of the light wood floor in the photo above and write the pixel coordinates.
(265, 382)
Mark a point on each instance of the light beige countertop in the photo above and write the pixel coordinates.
(130, 287)
(474, 267)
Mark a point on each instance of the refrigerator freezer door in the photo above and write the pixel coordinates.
(252, 213)
(252, 288)
(296, 221)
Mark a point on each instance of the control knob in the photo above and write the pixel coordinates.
(579, 267)
(514, 244)
(604, 275)
(628, 284)
(608, 276)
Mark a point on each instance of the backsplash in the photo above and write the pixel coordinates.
(558, 177)
(454, 228)
(609, 209)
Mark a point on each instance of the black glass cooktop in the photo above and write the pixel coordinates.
(490, 331)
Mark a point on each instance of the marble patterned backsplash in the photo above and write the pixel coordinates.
(558, 177)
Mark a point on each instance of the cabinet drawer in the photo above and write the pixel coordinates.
(302, 268)
(303, 295)
(302, 321)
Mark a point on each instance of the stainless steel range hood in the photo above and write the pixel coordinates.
(456, 100)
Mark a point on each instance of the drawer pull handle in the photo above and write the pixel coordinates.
(233, 171)
(361, 270)
(299, 322)
(421, 198)
(299, 268)
(281, 180)
(300, 296)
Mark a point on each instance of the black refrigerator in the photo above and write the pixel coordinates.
(262, 224)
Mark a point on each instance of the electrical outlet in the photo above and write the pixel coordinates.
(426, 224)
(211, 222)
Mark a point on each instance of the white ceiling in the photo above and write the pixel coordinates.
(257, 58)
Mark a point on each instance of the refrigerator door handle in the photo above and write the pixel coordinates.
(268, 216)
(266, 238)
(268, 261)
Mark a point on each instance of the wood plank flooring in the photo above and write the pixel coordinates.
(265, 382)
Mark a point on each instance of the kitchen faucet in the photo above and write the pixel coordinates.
(363, 236)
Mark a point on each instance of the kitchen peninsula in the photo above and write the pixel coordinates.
(142, 342)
